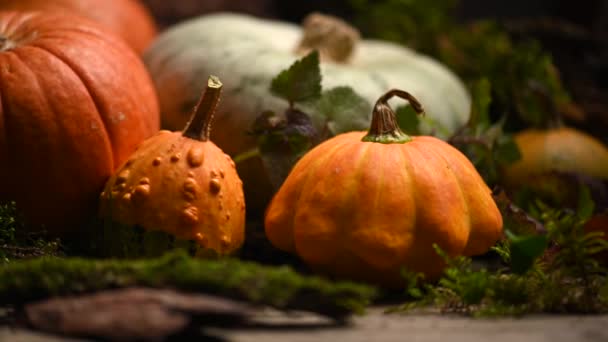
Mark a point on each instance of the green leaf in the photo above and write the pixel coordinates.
(408, 120)
(301, 81)
(506, 150)
(525, 250)
(282, 140)
(585, 206)
(344, 110)
(515, 219)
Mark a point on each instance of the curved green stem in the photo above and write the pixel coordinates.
(384, 127)
(199, 127)
(251, 153)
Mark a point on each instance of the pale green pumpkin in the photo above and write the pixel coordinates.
(247, 52)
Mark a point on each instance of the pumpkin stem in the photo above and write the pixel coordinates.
(333, 37)
(199, 127)
(384, 127)
(5, 43)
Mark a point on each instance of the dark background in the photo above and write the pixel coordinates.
(583, 12)
(576, 35)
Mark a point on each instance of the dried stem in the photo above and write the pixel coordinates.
(199, 127)
(384, 127)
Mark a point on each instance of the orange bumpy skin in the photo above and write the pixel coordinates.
(364, 210)
(182, 186)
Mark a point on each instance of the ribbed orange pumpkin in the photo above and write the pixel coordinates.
(75, 101)
(183, 184)
(363, 206)
(130, 19)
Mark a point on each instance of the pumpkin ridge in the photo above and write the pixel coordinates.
(87, 30)
(421, 149)
(4, 174)
(312, 171)
(419, 231)
(88, 93)
(339, 234)
(479, 233)
(383, 182)
(115, 16)
(276, 236)
(26, 30)
(26, 67)
(5, 134)
(443, 157)
(414, 191)
(354, 189)
(93, 93)
(23, 58)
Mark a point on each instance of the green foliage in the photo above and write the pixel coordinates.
(486, 143)
(416, 23)
(300, 82)
(17, 243)
(333, 110)
(525, 250)
(282, 140)
(557, 272)
(408, 120)
(522, 76)
(8, 223)
(341, 109)
(313, 115)
(8, 228)
(277, 286)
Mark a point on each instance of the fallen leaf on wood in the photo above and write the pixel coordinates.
(133, 314)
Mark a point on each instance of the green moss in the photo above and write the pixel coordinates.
(279, 287)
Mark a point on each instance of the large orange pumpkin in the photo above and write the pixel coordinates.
(130, 19)
(75, 101)
(365, 205)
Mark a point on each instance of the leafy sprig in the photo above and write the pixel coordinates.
(485, 142)
(312, 115)
(556, 272)
(300, 82)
